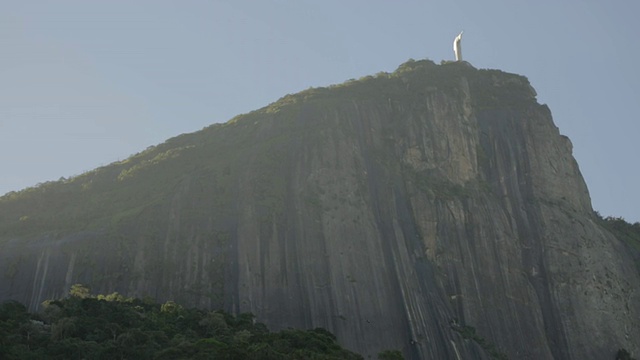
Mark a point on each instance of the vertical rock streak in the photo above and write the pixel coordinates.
(393, 211)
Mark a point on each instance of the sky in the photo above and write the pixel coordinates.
(85, 83)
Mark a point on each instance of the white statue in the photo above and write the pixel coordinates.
(457, 47)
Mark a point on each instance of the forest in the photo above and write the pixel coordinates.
(84, 326)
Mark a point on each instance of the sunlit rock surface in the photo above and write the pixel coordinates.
(394, 210)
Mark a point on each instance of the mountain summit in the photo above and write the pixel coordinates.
(436, 210)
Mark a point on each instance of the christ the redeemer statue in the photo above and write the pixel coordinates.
(457, 47)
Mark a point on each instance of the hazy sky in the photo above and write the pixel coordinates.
(85, 83)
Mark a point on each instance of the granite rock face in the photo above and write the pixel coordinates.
(396, 211)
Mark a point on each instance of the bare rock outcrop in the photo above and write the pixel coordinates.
(397, 211)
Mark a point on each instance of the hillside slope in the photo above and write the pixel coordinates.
(396, 211)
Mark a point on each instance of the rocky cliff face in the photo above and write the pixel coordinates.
(396, 211)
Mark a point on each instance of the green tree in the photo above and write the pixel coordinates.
(390, 355)
(170, 307)
(80, 291)
(214, 324)
(85, 327)
(63, 328)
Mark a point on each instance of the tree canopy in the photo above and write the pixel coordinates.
(83, 326)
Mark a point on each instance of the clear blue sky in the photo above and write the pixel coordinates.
(85, 83)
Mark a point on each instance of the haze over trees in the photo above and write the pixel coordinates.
(82, 326)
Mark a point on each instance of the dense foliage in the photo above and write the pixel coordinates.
(629, 233)
(626, 232)
(112, 327)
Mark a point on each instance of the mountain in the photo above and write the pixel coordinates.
(435, 210)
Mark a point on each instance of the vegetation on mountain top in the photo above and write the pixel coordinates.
(175, 202)
(626, 232)
(623, 230)
(121, 191)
